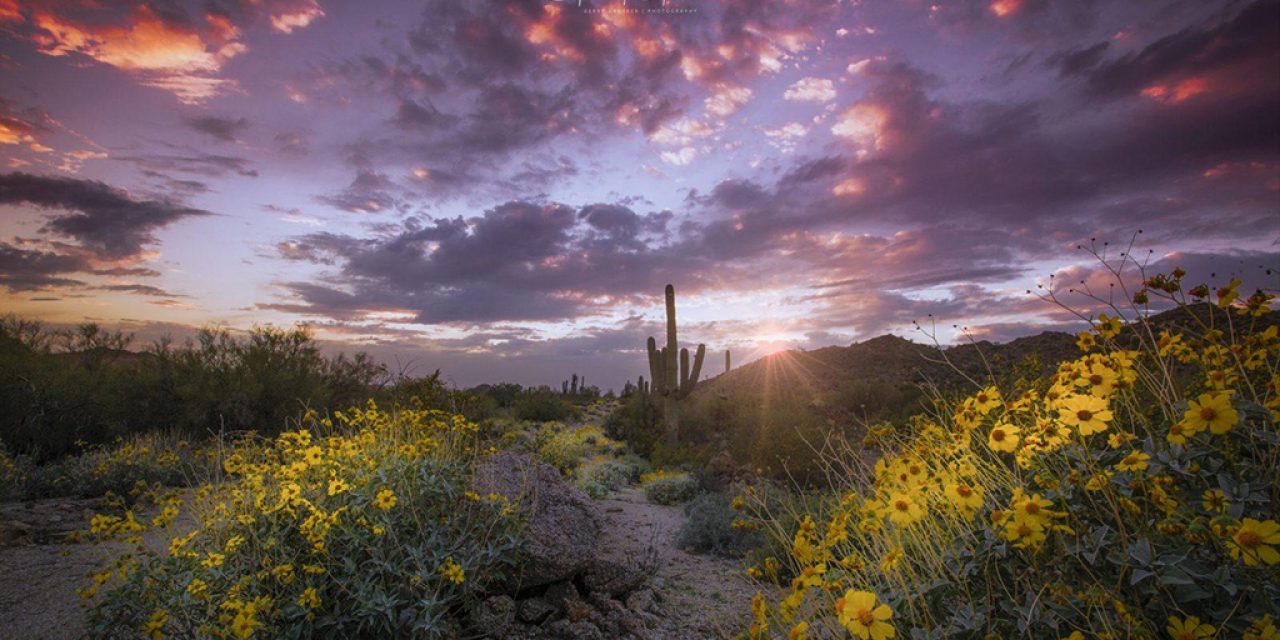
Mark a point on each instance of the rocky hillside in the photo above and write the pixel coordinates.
(882, 378)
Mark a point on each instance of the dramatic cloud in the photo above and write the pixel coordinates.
(162, 44)
(106, 221)
(222, 129)
(510, 185)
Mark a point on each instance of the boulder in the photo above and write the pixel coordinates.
(535, 610)
(495, 616)
(641, 601)
(563, 524)
(612, 578)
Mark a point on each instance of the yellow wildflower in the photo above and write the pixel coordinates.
(1088, 414)
(452, 571)
(385, 500)
(1252, 540)
(1189, 629)
(1135, 461)
(1212, 411)
(859, 612)
(154, 628)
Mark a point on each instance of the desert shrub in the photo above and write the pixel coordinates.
(668, 488)
(360, 526)
(58, 388)
(142, 460)
(1133, 491)
(602, 476)
(568, 448)
(543, 405)
(713, 526)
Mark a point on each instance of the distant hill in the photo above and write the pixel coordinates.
(880, 378)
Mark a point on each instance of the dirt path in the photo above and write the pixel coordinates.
(700, 596)
(41, 568)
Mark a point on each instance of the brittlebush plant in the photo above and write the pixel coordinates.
(362, 525)
(1134, 494)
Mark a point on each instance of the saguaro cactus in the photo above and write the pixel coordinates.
(669, 382)
(726, 361)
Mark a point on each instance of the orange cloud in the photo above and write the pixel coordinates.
(1176, 92)
(864, 124)
(168, 57)
(183, 59)
(297, 18)
(1005, 8)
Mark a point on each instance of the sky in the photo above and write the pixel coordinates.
(502, 188)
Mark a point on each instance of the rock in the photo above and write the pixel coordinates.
(563, 524)
(495, 616)
(584, 631)
(535, 610)
(577, 611)
(640, 601)
(603, 603)
(561, 593)
(612, 578)
(14, 532)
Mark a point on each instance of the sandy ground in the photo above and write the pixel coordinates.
(41, 568)
(699, 596)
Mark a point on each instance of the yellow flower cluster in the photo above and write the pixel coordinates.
(1146, 439)
(263, 553)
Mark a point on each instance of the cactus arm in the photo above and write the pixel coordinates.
(691, 380)
(684, 369)
(656, 367)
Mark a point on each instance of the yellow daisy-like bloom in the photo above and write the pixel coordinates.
(799, 632)
(987, 399)
(385, 500)
(967, 498)
(1003, 437)
(1088, 414)
(891, 559)
(1101, 379)
(1252, 541)
(1178, 434)
(1262, 629)
(904, 510)
(1109, 327)
(154, 628)
(1135, 461)
(199, 589)
(309, 599)
(1189, 629)
(1086, 341)
(1214, 500)
(1212, 411)
(859, 612)
(1031, 509)
(452, 571)
(338, 485)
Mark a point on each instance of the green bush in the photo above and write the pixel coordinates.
(145, 460)
(59, 388)
(374, 534)
(568, 448)
(543, 405)
(601, 477)
(709, 528)
(669, 489)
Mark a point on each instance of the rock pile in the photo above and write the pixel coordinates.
(563, 589)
